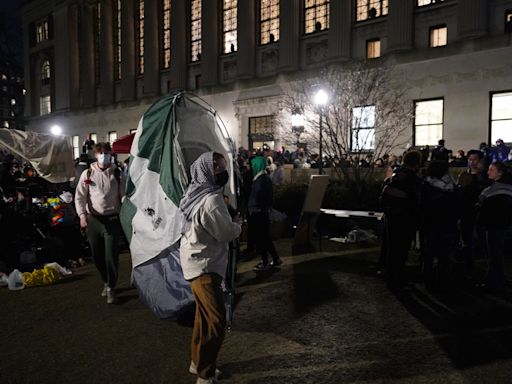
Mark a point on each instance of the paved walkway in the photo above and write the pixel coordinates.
(323, 318)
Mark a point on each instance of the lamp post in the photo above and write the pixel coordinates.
(321, 98)
(56, 130)
(297, 124)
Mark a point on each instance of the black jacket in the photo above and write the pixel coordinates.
(440, 207)
(495, 207)
(261, 197)
(400, 194)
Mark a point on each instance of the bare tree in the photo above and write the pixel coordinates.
(367, 115)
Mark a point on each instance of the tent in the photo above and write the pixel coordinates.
(170, 136)
(123, 144)
(51, 156)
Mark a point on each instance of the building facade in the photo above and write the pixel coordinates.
(94, 66)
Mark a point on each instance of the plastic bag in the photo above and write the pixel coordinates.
(15, 282)
(4, 280)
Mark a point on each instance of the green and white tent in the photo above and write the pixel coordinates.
(170, 136)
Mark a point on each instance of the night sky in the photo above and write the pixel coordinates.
(11, 32)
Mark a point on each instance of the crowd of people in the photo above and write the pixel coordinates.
(473, 210)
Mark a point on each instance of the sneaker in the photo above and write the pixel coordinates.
(261, 267)
(104, 291)
(276, 263)
(111, 296)
(211, 380)
(193, 370)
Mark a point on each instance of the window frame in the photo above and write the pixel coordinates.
(118, 40)
(305, 9)
(434, 28)
(164, 40)
(109, 137)
(224, 33)
(140, 30)
(491, 94)
(45, 34)
(48, 102)
(368, 5)
(199, 40)
(77, 147)
(508, 15)
(269, 20)
(374, 40)
(416, 101)
(432, 2)
(352, 129)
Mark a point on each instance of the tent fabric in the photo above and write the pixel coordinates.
(51, 156)
(170, 136)
(123, 144)
(161, 285)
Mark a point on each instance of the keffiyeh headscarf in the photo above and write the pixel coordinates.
(202, 184)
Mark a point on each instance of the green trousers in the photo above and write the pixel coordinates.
(103, 234)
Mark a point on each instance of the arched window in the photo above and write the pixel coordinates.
(45, 72)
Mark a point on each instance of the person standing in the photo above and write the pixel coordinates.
(260, 204)
(500, 152)
(400, 202)
(440, 210)
(472, 182)
(98, 198)
(495, 218)
(207, 230)
(440, 152)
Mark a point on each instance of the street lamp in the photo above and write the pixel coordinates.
(321, 98)
(56, 130)
(297, 124)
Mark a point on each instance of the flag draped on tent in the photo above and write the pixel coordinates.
(172, 133)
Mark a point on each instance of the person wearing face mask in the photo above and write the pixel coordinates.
(207, 230)
(98, 202)
(495, 219)
(260, 204)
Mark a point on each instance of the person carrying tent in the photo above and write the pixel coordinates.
(207, 230)
(98, 202)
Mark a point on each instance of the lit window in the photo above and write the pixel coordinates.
(13, 101)
(42, 31)
(261, 132)
(45, 71)
(195, 30)
(501, 117)
(93, 137)
(45, 105)
(508, 21)
(76, 147)
(269, 21)
(422, 3)
(229, 26)
(428, 122)
(438, 36)
(118, 41)
(140, 34)
(363, 128)
(112, 136)
(372, 49)
(97, 43)
(370, 9)
(316, 15)
(166, 34)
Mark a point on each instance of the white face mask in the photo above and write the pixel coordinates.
(104, 159)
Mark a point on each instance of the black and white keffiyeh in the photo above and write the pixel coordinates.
(202, 184)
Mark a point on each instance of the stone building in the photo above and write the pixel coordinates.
(93, 67)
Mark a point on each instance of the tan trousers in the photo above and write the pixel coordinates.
(209, 324)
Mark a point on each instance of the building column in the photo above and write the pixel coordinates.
(340, 29)
(74, 56)
(210, 43)
(472, 18)
(28, 72)
(151, 48)
(246, 38)
(62, 60)
(400, 25)
(88, 59)
(107, 54)
(289, 21)
(179, 52)
(128, 56)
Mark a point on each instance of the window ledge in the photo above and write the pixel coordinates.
(431, 7)
(313, 35)
(366, 22)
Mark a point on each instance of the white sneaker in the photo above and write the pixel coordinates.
(211, 380)
(111, 296)
(104, 291)
(193, 370)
